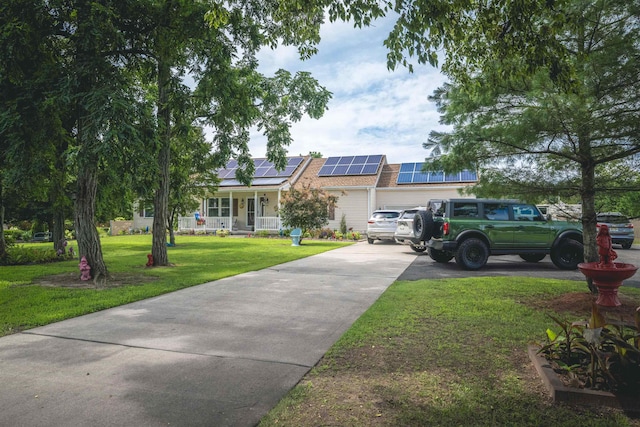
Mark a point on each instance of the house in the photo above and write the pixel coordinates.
(362, 183)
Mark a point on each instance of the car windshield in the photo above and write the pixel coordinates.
(613, 219)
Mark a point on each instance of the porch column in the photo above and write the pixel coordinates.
(256, 210)
(230, 210)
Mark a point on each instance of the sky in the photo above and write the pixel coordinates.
(373, 110)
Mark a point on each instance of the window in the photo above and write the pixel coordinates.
(146, 210)
(465, 210)
(526, 213)
(496, 211)
(219, 207)
(332, 212)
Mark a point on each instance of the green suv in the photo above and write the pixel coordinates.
(470, 230)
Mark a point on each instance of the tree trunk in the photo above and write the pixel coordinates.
(587, 195)
(86, 231)
(57, 233)
(161, 199)
(58, 199)
(3, 242)
(172, 235)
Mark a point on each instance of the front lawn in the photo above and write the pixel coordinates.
(35, 295)
(447, 353)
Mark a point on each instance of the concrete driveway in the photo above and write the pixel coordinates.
(219, 354)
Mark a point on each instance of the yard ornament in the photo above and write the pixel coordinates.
(85, 269)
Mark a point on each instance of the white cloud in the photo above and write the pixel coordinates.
(373, 110)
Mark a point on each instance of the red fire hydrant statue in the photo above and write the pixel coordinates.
(85, 269)
(149, 260)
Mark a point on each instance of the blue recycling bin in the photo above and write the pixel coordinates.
(296, 234)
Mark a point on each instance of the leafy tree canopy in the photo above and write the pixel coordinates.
(543, 98)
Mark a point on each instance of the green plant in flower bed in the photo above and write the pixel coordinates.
(597, 354)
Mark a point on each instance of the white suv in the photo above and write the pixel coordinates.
(404, 231)
(382, 225)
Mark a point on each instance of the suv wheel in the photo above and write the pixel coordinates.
(472, 254)
(370, 241)
(440, 256)
(627, 245)
(419, 248)
(533, 257)
(567, 254)
(423, 225)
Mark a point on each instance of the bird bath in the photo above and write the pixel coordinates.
(607, 275)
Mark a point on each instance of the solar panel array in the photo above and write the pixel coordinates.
(264, 169)
(411, 173)
(351, 165)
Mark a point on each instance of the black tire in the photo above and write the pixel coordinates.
(567, 254)
(418, 248)
(440, 256)
(423, 225)
(370, 241)
(533, 257)
(627, 245)
(472, 254)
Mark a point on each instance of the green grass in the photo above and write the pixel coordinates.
(195, 259)
(442, 353)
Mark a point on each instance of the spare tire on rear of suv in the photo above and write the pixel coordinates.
(423, 225)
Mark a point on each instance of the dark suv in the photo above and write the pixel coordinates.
(470, 230)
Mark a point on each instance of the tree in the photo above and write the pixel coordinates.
(306, 208)
(192, 175)
(30, 121)
(216, 45)
(543, 94)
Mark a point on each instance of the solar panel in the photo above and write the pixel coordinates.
(355, 169)
(405, 178)
(326, 170)
(411, 173)
(351, 165)
(436, 177)
(264, 169)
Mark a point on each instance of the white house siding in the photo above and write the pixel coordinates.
(405, 198)
(354, 205)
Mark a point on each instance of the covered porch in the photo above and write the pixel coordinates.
(236, 211)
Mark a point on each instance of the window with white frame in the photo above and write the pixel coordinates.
(219, 207)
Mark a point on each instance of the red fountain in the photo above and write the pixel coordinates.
(607, 275)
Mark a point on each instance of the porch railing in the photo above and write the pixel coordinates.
(271, 223)
(205, 223)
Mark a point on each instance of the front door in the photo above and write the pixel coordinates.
(251, 213)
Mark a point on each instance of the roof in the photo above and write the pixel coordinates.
(310, 177)
(307, 173)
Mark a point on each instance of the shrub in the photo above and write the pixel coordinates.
(326, 233)
(597, 354)
(262, 233)
(18, 255)
(343, 224)
(306, 208)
